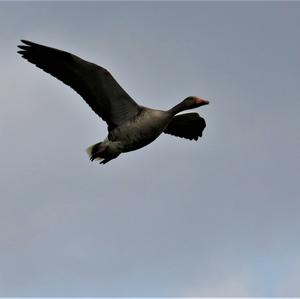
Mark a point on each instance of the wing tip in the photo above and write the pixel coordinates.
(24, 48)
(27, 42)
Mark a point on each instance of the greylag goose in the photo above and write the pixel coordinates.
(130, 126)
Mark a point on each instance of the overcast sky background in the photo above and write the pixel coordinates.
(217, 217)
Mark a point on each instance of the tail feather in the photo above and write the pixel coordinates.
(91, 150)
(102, 152)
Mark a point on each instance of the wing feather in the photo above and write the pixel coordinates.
(92, 82)
(187, 125)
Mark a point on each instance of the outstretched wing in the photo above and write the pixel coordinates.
(187, 125)
(94, 83)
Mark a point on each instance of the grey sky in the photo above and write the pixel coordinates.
(217, 217)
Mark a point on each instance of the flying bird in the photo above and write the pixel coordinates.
(130, 125)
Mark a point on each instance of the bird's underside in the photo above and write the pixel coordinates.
(130, 126)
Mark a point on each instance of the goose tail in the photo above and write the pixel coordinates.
(92, 150)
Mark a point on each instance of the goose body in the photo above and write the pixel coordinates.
(130, 126)
(142, 129)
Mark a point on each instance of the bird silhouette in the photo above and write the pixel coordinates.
(130, 125)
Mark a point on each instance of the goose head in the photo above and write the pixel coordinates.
(189, 103)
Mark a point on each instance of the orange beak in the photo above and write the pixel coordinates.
(201, 101)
